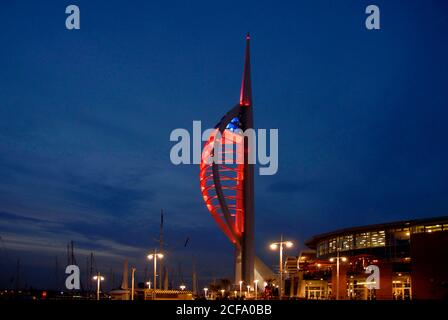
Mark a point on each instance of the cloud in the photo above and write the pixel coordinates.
(7, 216)
(31, 234)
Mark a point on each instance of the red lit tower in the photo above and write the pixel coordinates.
(228, 188)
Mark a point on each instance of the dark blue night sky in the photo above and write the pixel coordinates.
(85, 119)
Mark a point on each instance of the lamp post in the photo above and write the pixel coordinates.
(248, 291)
(222, 293)
(205, 293)
(256, 288)
(132, 284)
(279, 245)
(98, 278)
(337, 258)
(149, 285)
(182, 287)
(154, 256)
(241, 288)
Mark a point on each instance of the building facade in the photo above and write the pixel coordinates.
(411, 256)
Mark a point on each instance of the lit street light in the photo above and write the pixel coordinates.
(182, 287)
(256, 288)
(98, 278)
(132, 284)
(154, 256)
(222, 293)
(279, 245)
(148, 284)
(241, 288)
(337, 258)
(205, 293)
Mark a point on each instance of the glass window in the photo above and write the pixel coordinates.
(419, 229)
(370, 239)
(332, 245)
(346, 242)
(361, 240)
(434, 228)
(377, 239)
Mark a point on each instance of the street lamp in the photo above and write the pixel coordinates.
(182, 287)
(279, 245)
(337, 258)
(205, 293)
(241, 288)
(222, 293)
(132, 284)
(98, 278)
(154, 256)
(256, 288)
(148, 284)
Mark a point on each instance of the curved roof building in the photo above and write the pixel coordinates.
(387, 240)
(411, 258)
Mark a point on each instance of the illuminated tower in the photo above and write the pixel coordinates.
(228, 188)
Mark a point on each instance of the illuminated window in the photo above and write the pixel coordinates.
(370, 239)
(322, 248)
(418, 229)
(361, 240)
(429, 229)
(332, 245)
(345, 242)
(377, 239)
(437, 227)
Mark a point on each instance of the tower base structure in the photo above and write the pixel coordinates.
(261, 271)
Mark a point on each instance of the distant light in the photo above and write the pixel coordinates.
(160, 255)
(331, 259)
(274, 246)
(289, 244)
(344, 259)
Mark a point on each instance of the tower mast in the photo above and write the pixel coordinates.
(247, 238)
(161, 276)
(228, 191)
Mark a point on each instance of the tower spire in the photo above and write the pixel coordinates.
(246, 87)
